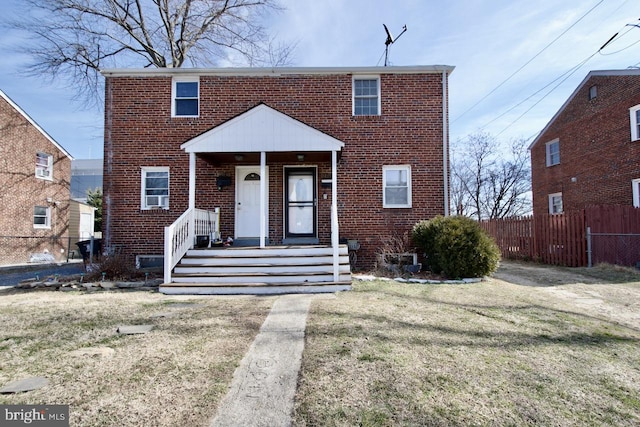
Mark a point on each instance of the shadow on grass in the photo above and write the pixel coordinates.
(513, 325)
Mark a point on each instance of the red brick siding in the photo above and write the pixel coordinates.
(22, 191)
(141, 132)
(595, 148)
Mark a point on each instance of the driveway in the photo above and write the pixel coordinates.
(11, 276)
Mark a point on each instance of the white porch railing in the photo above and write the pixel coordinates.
(180, 236)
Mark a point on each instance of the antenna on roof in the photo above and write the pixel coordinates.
(390, 40)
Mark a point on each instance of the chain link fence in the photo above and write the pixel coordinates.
(613, 248)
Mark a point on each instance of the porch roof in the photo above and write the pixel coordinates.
(259, 129)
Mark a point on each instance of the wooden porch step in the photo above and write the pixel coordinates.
(262, 261)
(256, 288)
(268, 252)
(248, 284)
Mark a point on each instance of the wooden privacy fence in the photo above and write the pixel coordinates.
(561, 239)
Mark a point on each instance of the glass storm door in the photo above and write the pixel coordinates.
(300, 202)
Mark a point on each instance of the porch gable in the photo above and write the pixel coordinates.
(262, 129)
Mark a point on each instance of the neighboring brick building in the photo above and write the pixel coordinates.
(34, 201)
(386, 126)
(589, 153)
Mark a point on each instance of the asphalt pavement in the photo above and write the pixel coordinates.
(11, 276)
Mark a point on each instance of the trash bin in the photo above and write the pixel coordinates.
(85, 248)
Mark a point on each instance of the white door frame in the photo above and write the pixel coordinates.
(241, 171)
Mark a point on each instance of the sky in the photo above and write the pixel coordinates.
(516, 61)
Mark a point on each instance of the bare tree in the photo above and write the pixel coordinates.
(74, 39)
(489, 180)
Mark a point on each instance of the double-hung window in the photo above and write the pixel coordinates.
(41, 217)
(155, 188)
(634, 113)
(44, 166)
(186, 97)
(396, 186)
(553, 152)
(635, 190)
(555, 203)
(366, 96)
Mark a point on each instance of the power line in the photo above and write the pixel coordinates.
(527, 63)
(566, 75)
(572, 71)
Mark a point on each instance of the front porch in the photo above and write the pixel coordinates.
(256, 152)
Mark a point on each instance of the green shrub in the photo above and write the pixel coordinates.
(456, 246)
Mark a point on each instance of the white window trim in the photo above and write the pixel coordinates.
(47, 225)
(551, 197)
(548, 152)
(635, 188)
(353, 94)
(174, 93)
(143, 174)
(49, 169)
(634, 122)
(384, 186)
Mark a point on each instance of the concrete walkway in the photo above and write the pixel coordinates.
(264, 385)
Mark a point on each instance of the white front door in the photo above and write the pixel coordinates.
(248, 202)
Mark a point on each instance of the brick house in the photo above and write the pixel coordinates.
(589, 153)
(34, 201)
(346, 153)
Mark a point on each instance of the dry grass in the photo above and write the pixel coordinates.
(487, 354)
(173, 376)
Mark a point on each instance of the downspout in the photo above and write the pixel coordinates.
(445, 142)
(107, 162)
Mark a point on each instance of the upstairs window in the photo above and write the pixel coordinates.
(44, 166)
(593, 92)
(635, 190)
(41, 217)
(555, 203)
(366, 96)
(396, 186)
(186, 98)
(635, 122)
(553, 153)
(155, 188)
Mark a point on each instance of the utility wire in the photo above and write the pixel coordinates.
(566, 75)
(527, 63)
(572, 71)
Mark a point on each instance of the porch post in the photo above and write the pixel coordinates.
(192, 180)
(263, 188)
(335, 240)
(192, 198)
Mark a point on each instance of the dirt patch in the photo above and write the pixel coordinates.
(605, 291)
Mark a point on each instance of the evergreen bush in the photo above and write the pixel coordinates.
(456, 246)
